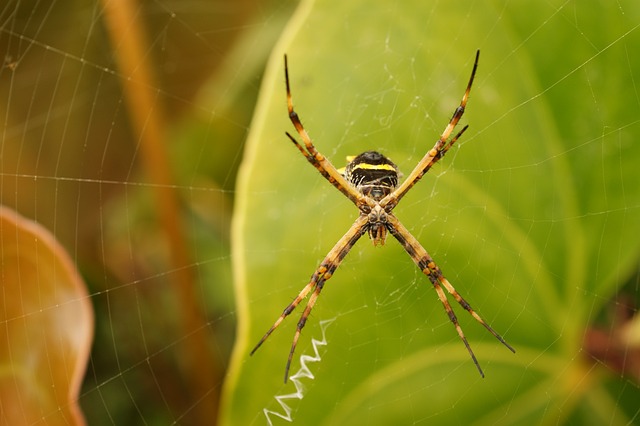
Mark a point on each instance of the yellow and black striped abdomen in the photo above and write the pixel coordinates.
(373, 174)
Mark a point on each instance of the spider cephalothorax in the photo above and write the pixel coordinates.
(370, 181)
(375, 176)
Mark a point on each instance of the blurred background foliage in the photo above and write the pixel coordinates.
(76, 159)
(73, 159)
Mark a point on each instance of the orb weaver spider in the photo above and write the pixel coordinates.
(370, 181)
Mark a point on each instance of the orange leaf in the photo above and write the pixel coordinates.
(47, 327)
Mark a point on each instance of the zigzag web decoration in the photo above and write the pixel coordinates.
(303, 372)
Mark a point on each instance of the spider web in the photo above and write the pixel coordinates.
(123, 133)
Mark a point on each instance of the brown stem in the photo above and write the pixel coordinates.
(141, 91)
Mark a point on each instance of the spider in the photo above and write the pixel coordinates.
(370, 181)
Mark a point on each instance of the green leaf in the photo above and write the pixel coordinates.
(533, 216)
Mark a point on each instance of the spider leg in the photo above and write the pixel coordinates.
(317, 160)
(427, 265)
(320, 276)
(437, 152)
(346, 190)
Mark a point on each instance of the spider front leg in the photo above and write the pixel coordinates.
(320, 276)
(317, 160)
(427, 265)
(442, 145)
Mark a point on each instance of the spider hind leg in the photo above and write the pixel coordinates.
(465, 305)
(324, 272)
(427, 265)
(439, 281)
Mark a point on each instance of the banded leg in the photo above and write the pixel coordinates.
(426, 264)
(318, 279)
(437, 152)
(317, 160)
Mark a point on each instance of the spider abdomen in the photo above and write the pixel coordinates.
(373, 174)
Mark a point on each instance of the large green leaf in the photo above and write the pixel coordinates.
(533, 216)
